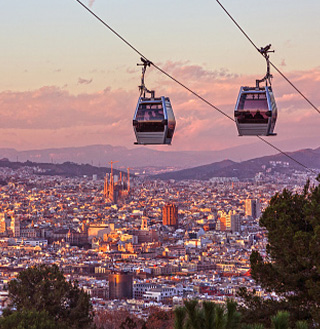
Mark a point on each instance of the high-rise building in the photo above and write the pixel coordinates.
(15, 227)
(120, 285)
(221, 224)
(252, 208)
(3, 227)
(228, 221)
(235, 223)
(170, 215)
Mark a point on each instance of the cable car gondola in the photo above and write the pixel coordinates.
(256, 111)
(154, 120)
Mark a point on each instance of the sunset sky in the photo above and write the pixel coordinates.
(68, 81)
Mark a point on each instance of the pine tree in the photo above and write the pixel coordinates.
(292, 266)
(44, 289)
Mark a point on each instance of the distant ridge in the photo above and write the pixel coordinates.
(176, 165)
(139, 156)
(201, 172)
(66, 169)
(248, 169)
(226, 168)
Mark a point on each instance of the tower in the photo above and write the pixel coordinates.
(170, 215)
(252, 208)
(144, 223)
(15, 227)
(120, 285)
(235, 224)
(3, 227)
(115, 188)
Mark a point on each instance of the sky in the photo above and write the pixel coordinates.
(68, 81)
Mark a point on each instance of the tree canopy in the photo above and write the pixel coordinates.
(27, 320)
(292, 266)
(44, 289)
(207, 315)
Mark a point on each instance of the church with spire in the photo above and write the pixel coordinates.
(116, 188)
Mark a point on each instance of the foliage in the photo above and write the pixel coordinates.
(292, 265)
(280, 321)
(128, 323)
(159, 319)
(27, 320)
(107, 319)
(44, 288)
(257, 309)
(207, 315)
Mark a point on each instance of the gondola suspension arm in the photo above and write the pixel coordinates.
(143, 89)
(267, 78)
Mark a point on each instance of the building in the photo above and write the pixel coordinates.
(116, 189)
(163, 293)
(3, 226)
(235, 223)
(15, 227)
(98, 230)
(170, 215)
(252, 208)
(228, 221)
(140, 288)
(120, 285)
(221, 224)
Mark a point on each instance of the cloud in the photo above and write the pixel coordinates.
(84, 81)
(53, 117)
(91, 2)
(187, 71)
(53, 108)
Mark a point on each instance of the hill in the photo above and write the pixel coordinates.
(66, 169)
(248, 169)
(137, 157)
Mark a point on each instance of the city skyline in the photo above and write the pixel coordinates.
(70, 82)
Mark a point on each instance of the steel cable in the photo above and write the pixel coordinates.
(187, 88)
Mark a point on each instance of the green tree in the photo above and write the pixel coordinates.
(179, 317)
(44, 288)
(207, 315)
(280, 321)
(27, 320)
(292, 266)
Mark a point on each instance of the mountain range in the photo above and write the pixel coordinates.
(138, 157)
(306, 159)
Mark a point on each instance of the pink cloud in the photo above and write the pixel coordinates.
(53, 117)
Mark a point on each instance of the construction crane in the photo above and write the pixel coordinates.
(111, 163)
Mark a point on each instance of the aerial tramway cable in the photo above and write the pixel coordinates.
(190, 90)
(253, 44)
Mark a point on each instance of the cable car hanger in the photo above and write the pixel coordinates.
(264, 51)
(143, 89)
